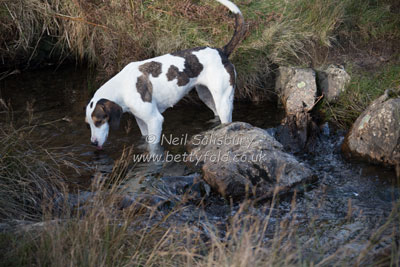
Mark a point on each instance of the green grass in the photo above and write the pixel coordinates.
(111, 34)
(365, 86)
(374, 19)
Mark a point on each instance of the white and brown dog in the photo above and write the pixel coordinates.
(147, 88)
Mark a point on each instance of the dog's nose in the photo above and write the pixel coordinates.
(95, 143)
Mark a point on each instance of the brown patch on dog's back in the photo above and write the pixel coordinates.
(153, 68)
(174, 73)
(192, 67)
(144, 88)
(143, 83)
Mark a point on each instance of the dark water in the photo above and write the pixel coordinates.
(365, 192)
(63, 94)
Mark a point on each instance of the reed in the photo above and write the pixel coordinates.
(109, 34)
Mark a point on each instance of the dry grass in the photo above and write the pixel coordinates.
(138, 235)
(30, 174)
(102, 233)
(109, 34)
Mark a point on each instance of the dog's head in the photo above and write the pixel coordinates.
(100, 116)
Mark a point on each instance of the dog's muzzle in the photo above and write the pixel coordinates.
(96, 144)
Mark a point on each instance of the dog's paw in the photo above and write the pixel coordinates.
(214, 121)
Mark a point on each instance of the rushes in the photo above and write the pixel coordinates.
(30, 174)
(109, 34)
(101, 231)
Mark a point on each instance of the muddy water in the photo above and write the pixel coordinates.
(349, 199)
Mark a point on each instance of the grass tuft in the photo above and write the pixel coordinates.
(365, 86)
(110, 34)
(31, 175)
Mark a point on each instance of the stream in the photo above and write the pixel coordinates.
(348, 202)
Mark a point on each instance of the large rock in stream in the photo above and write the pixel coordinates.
(297, 89)
(375, 136)
(239, 161)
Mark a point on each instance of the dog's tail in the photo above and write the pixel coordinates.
(240, 27)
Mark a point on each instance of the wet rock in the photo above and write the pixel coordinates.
(332, 82)
(181, 189)
(181, 185)
(141, 203)
(164, 191)
(375, 136)
(298, 133)
(239, 161)
(174, 169)
(297, 89)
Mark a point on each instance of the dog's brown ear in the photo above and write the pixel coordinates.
(113, 111)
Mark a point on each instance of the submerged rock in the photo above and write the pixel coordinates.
(332, 82)
(375, 136)
(298, 133)
(297, 89)
(239, 161)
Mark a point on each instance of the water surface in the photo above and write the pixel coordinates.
(349, 200)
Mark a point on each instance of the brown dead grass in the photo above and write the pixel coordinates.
(109, 34)
(30, 174)
(101, 231)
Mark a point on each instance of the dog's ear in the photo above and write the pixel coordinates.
(113, 111)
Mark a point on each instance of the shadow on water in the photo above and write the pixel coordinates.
(64, 94)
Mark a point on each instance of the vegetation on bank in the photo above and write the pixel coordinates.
(29, 172)
(365, 86)
(39, 226)
(109, 34)
(99, 232)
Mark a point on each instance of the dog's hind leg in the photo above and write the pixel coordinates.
(204, 94)
(142, 126)
(224, 104)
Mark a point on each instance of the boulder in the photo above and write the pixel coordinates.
(239, 161)
(332, 82)
(297, 89)
(375, 136)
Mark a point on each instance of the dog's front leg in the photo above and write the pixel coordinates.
(142, 126)
(154, 127)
